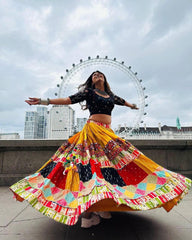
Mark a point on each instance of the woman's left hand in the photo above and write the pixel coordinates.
(33, 101)
(134, 106)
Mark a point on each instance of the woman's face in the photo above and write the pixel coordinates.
(96, 77)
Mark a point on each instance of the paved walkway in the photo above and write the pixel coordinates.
(19, 221)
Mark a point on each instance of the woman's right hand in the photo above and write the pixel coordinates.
(33, 101)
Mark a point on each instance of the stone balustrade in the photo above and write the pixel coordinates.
(19, 158)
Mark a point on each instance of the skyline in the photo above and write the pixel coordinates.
(35, 110)
(176, 129)
(39, 40)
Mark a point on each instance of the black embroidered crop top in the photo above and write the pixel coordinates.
(95, 102)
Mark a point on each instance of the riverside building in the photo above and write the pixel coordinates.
(9, 136)
(161, 132)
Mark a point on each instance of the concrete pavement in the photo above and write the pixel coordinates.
(19, 221)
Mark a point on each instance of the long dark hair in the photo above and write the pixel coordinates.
(88, 84)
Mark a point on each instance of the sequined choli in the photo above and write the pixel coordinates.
(96, 103)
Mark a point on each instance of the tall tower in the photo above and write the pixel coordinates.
(36, 124)
(31, 125)
(61, 122)
(42, 122)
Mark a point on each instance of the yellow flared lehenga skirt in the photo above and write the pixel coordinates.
(95, 170)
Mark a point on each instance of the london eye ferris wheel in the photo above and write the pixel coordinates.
(130, 80)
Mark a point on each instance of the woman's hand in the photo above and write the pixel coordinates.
(134, 106)
(33, 101)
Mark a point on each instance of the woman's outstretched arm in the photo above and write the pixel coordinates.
(56, 101)
(122, 102)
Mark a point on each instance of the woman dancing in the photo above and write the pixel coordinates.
(95, 171)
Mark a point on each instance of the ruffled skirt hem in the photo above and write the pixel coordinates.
(97, 171)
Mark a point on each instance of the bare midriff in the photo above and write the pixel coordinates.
(103, 118)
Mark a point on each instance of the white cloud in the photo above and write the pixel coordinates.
(83, 17)
(39, 40)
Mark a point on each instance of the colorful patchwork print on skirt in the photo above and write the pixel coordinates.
(95, 166)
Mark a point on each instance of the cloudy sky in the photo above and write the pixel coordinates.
(40, 39)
